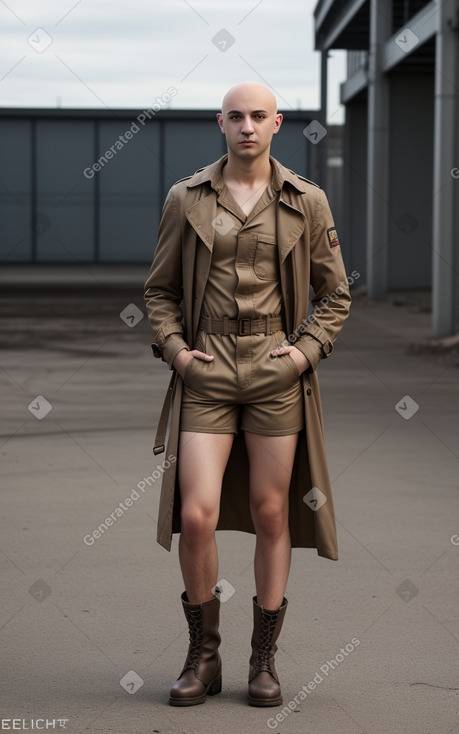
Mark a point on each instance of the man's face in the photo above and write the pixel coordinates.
(249, 120)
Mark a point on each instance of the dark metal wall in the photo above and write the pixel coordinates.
(57, 206)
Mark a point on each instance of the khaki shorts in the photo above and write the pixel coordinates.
(243, 388)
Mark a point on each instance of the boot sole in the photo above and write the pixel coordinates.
(265, 702)
(212, 689)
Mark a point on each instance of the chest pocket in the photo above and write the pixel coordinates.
(266, 263)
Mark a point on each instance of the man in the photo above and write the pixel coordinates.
(227, 297)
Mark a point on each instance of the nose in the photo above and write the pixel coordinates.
(247, 125)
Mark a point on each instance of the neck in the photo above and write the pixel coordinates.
(247, 172)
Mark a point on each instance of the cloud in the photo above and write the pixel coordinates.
(105, 54)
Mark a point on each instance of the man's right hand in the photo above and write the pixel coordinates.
(182, 358)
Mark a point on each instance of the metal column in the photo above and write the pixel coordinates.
(378, 151)
(323, 146)
(446, 186)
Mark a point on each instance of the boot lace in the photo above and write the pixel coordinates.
(195, 630)
(268, 625)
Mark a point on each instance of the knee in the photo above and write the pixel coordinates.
(197, 522)
(271, 518)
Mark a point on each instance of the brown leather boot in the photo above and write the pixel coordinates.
(264, 687)
(202, 672)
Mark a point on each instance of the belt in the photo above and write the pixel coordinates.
(241, 327)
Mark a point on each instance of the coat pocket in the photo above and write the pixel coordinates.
(282, 369)
(200, 341)
(197, 369)
(266, 262)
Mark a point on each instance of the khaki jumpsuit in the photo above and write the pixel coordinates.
(243, 388)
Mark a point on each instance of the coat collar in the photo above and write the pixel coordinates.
(290, 223)
(281, 175)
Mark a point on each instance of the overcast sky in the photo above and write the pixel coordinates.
(104, 53)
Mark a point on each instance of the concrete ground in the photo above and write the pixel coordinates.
(375, 634)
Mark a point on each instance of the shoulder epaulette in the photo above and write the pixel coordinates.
(187, 178)
(306, 179)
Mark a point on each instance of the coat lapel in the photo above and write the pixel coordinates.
(290, 227)
(201, 215)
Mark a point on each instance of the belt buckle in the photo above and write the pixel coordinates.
(241, 328)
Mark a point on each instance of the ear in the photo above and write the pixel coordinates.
(277, 122)
(220, 121)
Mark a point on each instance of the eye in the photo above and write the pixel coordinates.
(235, 117)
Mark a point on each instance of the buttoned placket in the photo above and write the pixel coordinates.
(248, 284)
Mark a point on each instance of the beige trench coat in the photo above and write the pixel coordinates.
(309, 253)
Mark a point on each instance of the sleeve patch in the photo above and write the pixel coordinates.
(333, 237)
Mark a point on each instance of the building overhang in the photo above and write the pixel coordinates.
(409, 49)
(342, 25)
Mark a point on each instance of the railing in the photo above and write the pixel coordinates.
(356, 60)
(403, 11)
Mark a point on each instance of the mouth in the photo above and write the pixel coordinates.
(247, 142)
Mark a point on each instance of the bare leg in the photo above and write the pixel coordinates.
(271, 462)
(202, 462)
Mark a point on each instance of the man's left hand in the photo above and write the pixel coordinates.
(298, 357)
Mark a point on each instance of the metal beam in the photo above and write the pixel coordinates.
(353, 85)
(408, 38)
(378, 151)
(445, 188)
(323, 147)
(321, 11)
(348, 10)
(423, 25)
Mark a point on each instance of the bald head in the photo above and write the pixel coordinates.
(249, 94)
(249, 119)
